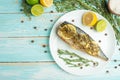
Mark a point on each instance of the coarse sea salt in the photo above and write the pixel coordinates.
(115, 6)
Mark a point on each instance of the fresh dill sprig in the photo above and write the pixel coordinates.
(26, 9)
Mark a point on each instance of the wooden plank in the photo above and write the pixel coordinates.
(17, 25)
(24, 49)
(30, 49)
(9, 6)
(50, 71)
(14, 6)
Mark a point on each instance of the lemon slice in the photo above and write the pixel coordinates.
(101, 25)
(32, 2)
(67, 31)
(37, 10)
(46, 3)
(89, 19)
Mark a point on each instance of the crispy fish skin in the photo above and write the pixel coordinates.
(82, 41)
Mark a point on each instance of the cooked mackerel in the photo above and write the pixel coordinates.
(79, 40)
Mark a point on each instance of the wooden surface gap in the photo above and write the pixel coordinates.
(28, 37)
(27, 63)
(31, 14)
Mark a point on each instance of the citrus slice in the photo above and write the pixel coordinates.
(32, 2)
(46, 3)
(67, 31)
(37, 10)
(101, 25)
(89, 19)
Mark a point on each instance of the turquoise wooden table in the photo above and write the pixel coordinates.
(24, 48)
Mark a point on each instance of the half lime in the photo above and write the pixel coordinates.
(37, 10)
(101, 25)
(32, 2)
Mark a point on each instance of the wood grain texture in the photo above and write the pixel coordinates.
(50, 71)
(18, 25)
(24, 49)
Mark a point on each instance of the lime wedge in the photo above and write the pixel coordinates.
(37, 10)
(32, 2)
(101, 25)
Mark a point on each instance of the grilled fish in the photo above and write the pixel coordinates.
(79, 40)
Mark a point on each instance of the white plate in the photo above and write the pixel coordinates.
(107, 43)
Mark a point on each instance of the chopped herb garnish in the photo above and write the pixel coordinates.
(76, 60)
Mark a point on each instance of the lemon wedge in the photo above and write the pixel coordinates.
(46, 3)
(89, 19)
(67, 31)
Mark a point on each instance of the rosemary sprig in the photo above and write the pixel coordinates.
(76, 60)
(99, 6)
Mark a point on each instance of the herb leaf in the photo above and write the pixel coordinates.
(76, 60)
(26, 8)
